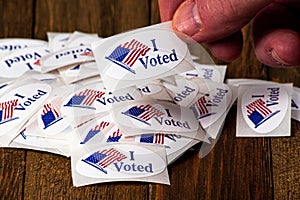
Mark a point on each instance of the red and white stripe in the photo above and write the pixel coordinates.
(260, 106)
(91, 96)
(49, 107)
(159, 138)
(101, 126)
(116, 133)
(149, 112)
(112, 156)
(137, 49)
(201, 106)
(8, 108)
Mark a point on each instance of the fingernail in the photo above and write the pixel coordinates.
(278, 60)
(186, 18)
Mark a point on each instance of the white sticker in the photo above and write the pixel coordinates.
(120, 162)
(38, 143)
(296, 104)
(80, 39)
(155, 116)
(175, 144)
(184, 92)
(19, 104)
(66, 57)
(265, 109)
(210, 72)
(93, 98)
(296, 99)
(135, 57)
(213, 101)
(57, 41)
(94, 130)
(12, 44)
(16, 63)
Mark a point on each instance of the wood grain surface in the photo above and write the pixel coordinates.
(237, 168)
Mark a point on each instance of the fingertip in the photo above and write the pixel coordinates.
(279, 48)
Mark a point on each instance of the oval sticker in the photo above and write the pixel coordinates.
(264, 107)
(20, 103)
(20, 61)
(156, 116)
(121, 161)
(93, 98)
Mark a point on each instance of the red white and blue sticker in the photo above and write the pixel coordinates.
(18, 105)
(94, 98)
(155, 116)
(142, 55)
(266, 109)
(120, 162)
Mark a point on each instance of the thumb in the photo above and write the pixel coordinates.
(207, 21)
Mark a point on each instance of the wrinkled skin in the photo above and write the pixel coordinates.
(217, 24)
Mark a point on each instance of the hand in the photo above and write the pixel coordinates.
(217, 24)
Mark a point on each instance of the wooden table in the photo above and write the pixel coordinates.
(237, 168)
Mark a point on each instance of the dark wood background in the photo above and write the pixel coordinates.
(237, 168)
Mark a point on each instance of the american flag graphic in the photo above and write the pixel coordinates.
(143, 113)
(201, 106)
(157, 138)
(95, 130)
(49, 107)
(7, 110)
(85, 98)
(127, 54)
(258, 105)
(258, 112)
(50, 115)
(102, 159)
(115, 137)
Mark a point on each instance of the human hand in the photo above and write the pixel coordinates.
(217, 24)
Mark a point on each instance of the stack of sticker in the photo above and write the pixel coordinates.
(150, 104)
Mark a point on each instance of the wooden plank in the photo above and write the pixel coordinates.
(49, 176)
(103, 17)
(16, 21)
(286, 151)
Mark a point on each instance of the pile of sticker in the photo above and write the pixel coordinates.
(125, 107)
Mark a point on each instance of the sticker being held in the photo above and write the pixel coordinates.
(141, 55)
(264, 110)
